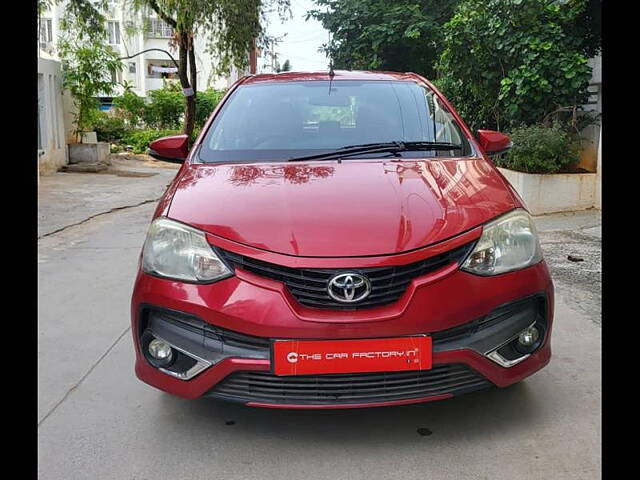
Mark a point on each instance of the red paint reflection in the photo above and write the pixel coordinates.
(297, 174)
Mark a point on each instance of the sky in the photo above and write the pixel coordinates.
(301, 39)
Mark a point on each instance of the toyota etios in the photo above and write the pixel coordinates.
(338, 240)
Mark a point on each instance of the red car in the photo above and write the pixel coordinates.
(338, 240)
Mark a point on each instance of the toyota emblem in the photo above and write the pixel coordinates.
(349, 287)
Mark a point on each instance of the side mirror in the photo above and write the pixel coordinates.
(493, 143)
(170, 149)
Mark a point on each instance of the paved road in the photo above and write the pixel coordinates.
(68, 198)
(96, 420)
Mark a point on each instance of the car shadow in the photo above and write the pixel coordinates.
(489, 412)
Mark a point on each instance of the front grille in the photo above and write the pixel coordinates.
(264, 387)
(309, 285)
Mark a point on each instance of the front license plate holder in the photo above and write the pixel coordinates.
(309, 357)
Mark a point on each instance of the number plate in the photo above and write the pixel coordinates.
(307, 357)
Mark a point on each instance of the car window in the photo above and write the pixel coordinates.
(444, 124)
(276, 121)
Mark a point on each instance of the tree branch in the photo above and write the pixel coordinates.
(170, 21)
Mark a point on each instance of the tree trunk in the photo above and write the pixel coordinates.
(187, 55)
(190, 105)
(193, 80)
(192, 67)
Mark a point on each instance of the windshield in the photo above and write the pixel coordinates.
(279, 121)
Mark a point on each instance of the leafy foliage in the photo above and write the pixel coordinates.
(540, 149)
(231, 27)
(206, 101)
(88, 62)
(130, 107)
(109, 128)
(403, 35)
(161, 116)
(139, 140)
(165, 108)
(43, 5)
(286, 66)
(86, 69)
(195, 133)
(81, 16)
(588, 28)
(508, 63)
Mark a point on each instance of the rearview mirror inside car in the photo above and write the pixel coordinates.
(330, 100)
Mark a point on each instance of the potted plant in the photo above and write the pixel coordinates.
(88, 64)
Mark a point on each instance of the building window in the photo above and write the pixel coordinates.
(46, 33)
(132, 67)
(113, 29)
(116, 77)
(158, 28)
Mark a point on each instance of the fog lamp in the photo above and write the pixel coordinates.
(160, 351)
(529, 337)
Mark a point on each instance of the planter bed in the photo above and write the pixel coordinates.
(88, 152)
(553, 192)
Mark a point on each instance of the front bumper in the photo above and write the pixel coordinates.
(464, 327)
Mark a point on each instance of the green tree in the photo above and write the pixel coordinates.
(231, 27)
(508, 63)
(403, 35)
(286, 66)
(88, 63)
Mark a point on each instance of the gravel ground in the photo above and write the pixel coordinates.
(576, 234)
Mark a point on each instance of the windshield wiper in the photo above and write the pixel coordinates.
(424, 145)
(382, 147)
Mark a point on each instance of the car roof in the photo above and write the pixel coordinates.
(338, 75)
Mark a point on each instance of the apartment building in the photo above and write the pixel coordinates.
(129, 34)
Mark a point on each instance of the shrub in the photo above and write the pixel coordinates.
(109, 128)
(541, 149)
(130, 107)
(140, 139)
(206, 101)
(165, 108)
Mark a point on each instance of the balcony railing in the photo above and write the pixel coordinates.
(157, 28)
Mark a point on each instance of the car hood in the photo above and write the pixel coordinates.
(332, 209)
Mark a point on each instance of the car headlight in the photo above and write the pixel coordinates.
(177, 251)
(508, 243)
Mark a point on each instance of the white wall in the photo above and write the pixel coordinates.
(598, 199)
(552, 193)
(53, 131)
(596, 80)
(591, 134)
